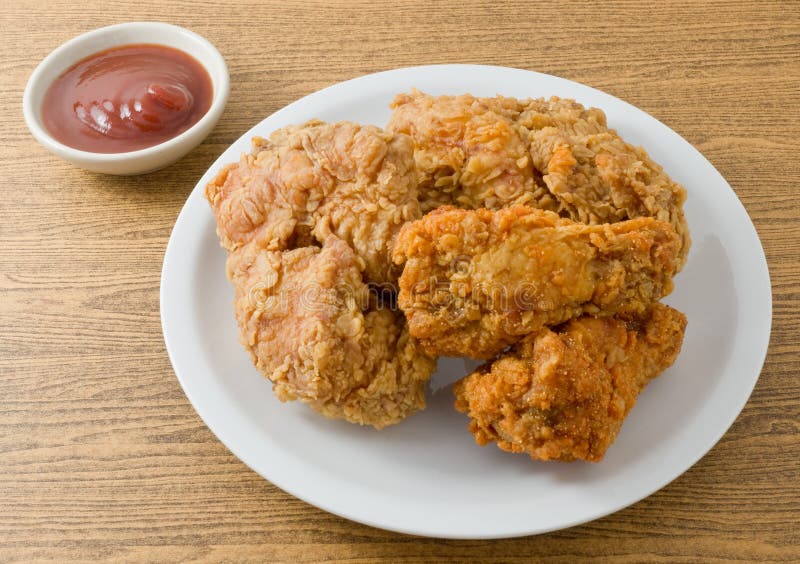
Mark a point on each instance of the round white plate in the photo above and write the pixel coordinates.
(426, 476)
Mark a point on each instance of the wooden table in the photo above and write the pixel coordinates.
(101, 455)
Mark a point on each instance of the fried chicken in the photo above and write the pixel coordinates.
(469, 151)
(551, 154)
(596, 176)
(477, 281)
(319, 217)
(563, 394)
(305, 313)
(306, 319)
(306, 183)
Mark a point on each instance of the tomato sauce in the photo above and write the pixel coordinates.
(127, 98)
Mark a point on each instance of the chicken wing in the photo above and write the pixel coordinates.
(306, 183)
(308, 322)
(476, 281)
(563, 394)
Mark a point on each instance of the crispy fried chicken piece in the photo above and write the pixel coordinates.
(305, 313)
(306, 183)
(306, 319)
(563, 394)
(596, 176)
(469, 151)
(477, 281)
(494, 152)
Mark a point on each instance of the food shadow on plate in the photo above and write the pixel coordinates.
(438, 434)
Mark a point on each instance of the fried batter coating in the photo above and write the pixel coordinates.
(596, 176)
(304, 312)
(306, 183)
(469, 151)
(477, 281)
(305, 317)
(551, 154)
(563, 394)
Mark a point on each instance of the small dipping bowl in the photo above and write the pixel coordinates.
(142, 160)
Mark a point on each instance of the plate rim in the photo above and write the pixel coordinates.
(760, 349)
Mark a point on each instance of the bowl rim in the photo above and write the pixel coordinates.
(214, 61)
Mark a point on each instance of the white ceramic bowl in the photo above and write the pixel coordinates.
(143, 160)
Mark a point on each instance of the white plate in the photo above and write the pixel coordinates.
(426, 476)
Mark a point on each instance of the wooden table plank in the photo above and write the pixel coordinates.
(101, 455)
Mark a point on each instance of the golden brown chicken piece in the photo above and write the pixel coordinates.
(563, 394)
(551, 154)
(305, 313)
(305, 317)
(596, 176)
(307, 183)
(477, 281)
(469, 151)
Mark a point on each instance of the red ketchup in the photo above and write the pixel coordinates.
(127, 98)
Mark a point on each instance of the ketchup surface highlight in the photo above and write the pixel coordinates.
(127, 98)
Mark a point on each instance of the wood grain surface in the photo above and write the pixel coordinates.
(101, 455)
